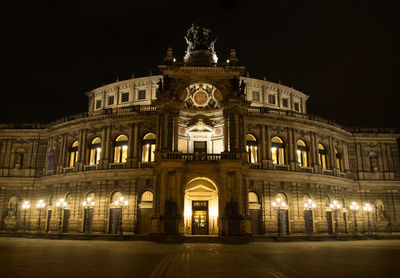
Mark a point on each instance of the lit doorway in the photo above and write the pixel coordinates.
(201, 207)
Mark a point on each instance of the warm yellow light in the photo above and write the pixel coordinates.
(84, 203)
(92, 203)
(126, 203)
(121, 198)
(125, 147)
(65, 204)
(58, 204)
(313, 205)
(305, 205)
(214, 212)
(278, 200)
(273, 204)
(273, 149)
(309, 201)
(116, 203)
(62, 200)
(283, 204)
(188, 211)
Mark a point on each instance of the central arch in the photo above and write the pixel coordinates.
(201, 207)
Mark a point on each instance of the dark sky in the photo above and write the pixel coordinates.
(344, 55)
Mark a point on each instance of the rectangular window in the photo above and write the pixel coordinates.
(296, 106)
(110, 100)
(124, 97)
(98, 104)
(256, 96)
(271, 99)
(142, 94)
(285, 102)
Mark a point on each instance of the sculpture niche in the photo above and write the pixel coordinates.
(200, 46)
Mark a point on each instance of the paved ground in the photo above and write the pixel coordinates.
(22, 257)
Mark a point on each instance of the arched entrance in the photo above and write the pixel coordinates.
(201, 207)
(144, 214)
(255, 213)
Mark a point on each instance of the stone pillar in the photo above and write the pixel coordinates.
(136, 145)
(84, 147)
(64, 151)
(236, 139)
(345, 157)
(262, 145)
(244, 133)
(130, 146)
(176, 126)
(165, 131)
(109, 144)
(332, 153)
(226, 132)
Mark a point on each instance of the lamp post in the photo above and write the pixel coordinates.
(354, 207)
(39, 205)
(25, 206)
(88, 207)
(367, 207)
(309, 206)
(336, 207)
(120, 204)
(60, 204)
(279, 204)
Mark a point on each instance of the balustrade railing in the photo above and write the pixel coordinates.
(327, 172)
(281, 167)
(117, 165)
(89, 167)
(307, 169)
(68, 170)
(256, 166)
(145, 164)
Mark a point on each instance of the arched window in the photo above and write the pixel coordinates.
(116, 196)
(120, 149)
(253, 198)
(339, 160)
(322, 156)
(251, 148)
(302, 153)
(147, 196)
(148, 147)
(278, 151)
(73, 153)
(94, 151)
(19, 159)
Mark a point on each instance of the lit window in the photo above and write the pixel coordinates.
(124, 97)
(256, 96)
(277, 151)
(142, 94)
(302, 155)
(110, 100)
(121, 149)
(73, 153)
(322, 154)
(94, 151)
(251, 147)
(271, 99)
(285, 102)
(148, 147)
(98, 104)
(339, 160)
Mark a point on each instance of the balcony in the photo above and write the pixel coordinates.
(201, 157)
(145, 165)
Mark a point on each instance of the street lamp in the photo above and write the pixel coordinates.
(308, 207)
(279, 204)
(25, 206)
(60, 204)
(39, 205)
(336, 207)
(354, 207)
(88, 207)
(120, 204)
(367, 207)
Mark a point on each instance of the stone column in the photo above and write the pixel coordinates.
(332, 153)
(345, 157)
(136, 142)
(236, 139)
(130, 146)
(262, 145)
(165, 131)
(64, 150)
(244, 133)
(226, 132)
(176, 126)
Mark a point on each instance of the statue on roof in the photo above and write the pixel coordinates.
(199, 38)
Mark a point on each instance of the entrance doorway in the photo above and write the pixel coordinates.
(308, 219)
(88, 220)
(200, 146)
(200, 218)
(144, 215)
(283, 222)
(255, 214)
(201, 207)
(329, 222)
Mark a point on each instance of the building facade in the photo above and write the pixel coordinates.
(198, 150)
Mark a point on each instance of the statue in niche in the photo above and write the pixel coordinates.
(12, 209)
(199, 38)
(159, 88)
(373, 161)
(242, 87)
(19, 158)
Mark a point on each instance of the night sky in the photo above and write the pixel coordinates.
(345, 56)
